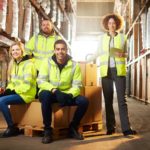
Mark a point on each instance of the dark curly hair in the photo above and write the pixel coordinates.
(118, 19)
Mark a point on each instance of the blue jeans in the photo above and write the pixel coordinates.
(47, 98)
(9, 100)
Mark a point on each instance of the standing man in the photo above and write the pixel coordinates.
(59, 81)
(42, 45)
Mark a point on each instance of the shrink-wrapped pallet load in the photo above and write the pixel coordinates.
(3, 66)
(3, 11)
(27, 21)
(35, 22)
(148, 28)
(143, 26)
(15, 19)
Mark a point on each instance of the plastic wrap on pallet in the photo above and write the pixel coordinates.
(3, 67)
(117, 6)
(27, 24)
(35, 22)
(131, 48)
(62, 3)
(3, 11)
(143, 27)
(46, 6)
(54, 11)
(148, 28)
(15, 19)
(39, 1)
(59, 19)
(74, 4)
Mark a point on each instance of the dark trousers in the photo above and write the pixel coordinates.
(47, 98)
(108, 91)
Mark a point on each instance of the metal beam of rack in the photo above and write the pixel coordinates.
(139, 58)
(40, 11)
(136, 19)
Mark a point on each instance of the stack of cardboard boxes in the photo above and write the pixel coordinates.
(30, 115)
(93, 93)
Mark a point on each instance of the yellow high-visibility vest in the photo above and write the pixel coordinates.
(120, 43)
(68, 81)
(23, 80)
(41, 47)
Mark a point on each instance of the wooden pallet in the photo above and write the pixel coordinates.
(36, 131)
(91, 127)
(60, 133)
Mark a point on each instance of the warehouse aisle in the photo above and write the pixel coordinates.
(139, 116)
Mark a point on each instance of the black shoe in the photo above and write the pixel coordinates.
(73, 133)
(129, 132)
(110, 132)
(11, 131)
(47, 138)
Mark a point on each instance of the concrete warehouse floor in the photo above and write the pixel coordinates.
(139, 114)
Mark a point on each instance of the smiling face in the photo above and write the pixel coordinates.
(60, 52)
(46, 26)
(111, 25)
(16, 52)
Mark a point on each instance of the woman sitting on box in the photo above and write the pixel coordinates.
(21, 86)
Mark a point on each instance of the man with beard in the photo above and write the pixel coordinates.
(41, 46)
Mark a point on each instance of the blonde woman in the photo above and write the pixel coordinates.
(21, 86)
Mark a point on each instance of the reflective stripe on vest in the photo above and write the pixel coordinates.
(41, 51)
(27, 82)
(119, 42)
(76, 83)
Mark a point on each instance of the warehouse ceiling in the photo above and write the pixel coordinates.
(89, 17)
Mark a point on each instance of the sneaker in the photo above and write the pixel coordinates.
(73, 133)
(129, 132)
(11, 131)
(47, 138)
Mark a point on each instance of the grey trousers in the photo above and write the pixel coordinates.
(108, 91)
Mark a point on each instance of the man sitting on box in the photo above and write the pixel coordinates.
(59, 81)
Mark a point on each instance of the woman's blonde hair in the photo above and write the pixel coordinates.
(21, 46)
(118, 19)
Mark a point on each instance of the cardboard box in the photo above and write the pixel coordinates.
(148, 79)
(21, 18)
(143, 74)
(139, 83)
(30, 115)
(9, 17)
(18, 113)
(82, 66)
(137, 44)
(133, 79)
(91, 75)
(94, 111)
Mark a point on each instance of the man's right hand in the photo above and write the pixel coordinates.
(63, 98)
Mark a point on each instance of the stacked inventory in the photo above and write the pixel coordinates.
(138, 33)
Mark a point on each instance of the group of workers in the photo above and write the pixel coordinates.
(45, 62)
